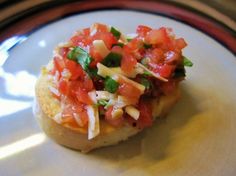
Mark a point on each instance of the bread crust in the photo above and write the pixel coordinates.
(46, 107)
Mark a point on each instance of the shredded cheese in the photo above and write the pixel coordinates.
(133, 112)
(93, 121)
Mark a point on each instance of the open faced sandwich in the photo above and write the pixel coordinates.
(102, 86)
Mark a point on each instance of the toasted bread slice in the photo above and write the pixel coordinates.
(46, 107)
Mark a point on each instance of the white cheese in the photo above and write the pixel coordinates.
(92, 95)
(156, 75)
(101, 48)
(104, 95)
(132, 111)
(93, 121)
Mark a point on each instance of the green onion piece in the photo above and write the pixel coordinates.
(146, 83)
(115, 32)
(111, 85)
(187, 62)
(102, 102)
(146, 46)
(112, 60)
(146, 73)
(119, 44)
(179, 72)
(80, 56)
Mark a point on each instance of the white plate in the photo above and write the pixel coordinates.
(197, 138)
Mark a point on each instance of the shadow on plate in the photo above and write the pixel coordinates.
(152, 142)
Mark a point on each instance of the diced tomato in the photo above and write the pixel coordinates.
(165, 70)
(107, 37)
(71, 110)
(75, 69)
(83, 97)
(86, 31)
(129, 91)
(100, 27)
(95, 55)
(180, 43)
(172, 58)
(133, 45)
(143, 30)
(63, 86)
(59, 64)
(128, 63)
(63, 51)
(81, 40)
(86, 83)
(157, 36)
(156, 55)
(114, 122)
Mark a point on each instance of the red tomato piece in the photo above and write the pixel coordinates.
(83, 97)
(157, 36)
(129, 91)
(59, 64)
(143, 30)
(95, 55)
(107, 37)
(63, 51)
(180, 43)
(128, 63)
(63, 86)
(100, 27)
(75, 69)
(166, 70)
(114, 122)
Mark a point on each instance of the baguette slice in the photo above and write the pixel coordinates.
(46, 107)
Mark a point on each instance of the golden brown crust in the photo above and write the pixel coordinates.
(46, 107)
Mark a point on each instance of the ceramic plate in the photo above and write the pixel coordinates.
(197, 137)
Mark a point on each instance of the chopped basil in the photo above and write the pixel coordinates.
(102, 102)
(115, 32)
(110, 85)
(119, 44)
(80, 56)
(146, 46)
(112, 59)
(179, 72)
(93, 72)
(146, 83)
(187, 62)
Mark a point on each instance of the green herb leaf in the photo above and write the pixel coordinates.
(119, 44)
(112, 59)
(102, 102)
(187, 62)
(179, 72)
(146, 83)
(111, 85)
(129, 39)
(146, 46)
(115, 32)
(80, 56)
(93, 72)
(146, 73)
